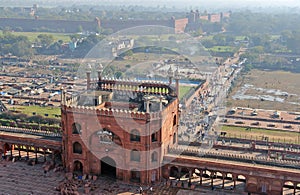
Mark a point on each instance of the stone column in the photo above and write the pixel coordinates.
(190, 177)
(212, 179)
(234, 181)
(19, 148)
(35, 150)
(44, 154)
(160, 103)
(179, 173)
(27, 152)
(201, 174)
(223, 183)
(53, 156)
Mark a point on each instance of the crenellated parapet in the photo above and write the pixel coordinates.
(72, 101)
(120, 113)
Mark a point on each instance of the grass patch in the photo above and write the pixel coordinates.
(29, 110)
(258, 133)
(240, 38)
(32, 36)
(183, 89)
(222, 49)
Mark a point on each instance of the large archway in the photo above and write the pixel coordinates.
(78, 167)
(108, 167)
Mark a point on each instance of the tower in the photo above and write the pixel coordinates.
(177, 77)
(120, 128)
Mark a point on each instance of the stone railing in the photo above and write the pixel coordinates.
(29, 131)
(232, 156)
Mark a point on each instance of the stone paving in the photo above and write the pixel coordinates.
(19, 178)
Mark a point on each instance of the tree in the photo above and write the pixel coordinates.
(79, 28)
(220, 39)
(293, 43)
(45, 39)
(118, 74)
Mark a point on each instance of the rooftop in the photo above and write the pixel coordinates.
(135, 96)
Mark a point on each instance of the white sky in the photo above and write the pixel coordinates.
(218, 4)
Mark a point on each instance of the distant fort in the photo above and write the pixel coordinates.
(68, 26)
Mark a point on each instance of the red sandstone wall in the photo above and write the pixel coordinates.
(61, 25)
(215, 18)
(117, 25)
(204, 17)
(180, 25)
(121, 127)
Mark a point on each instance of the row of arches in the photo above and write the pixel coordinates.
(108, 168)
(134, 154)
(134, 134)
(22, 151)
(290, 188)
(227, 181)
(208, 178)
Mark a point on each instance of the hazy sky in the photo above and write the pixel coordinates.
(183, 4)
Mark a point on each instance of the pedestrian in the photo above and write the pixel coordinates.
(141, 190)
(151, 189)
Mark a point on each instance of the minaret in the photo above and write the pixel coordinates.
(177, 81)
(88, 76)
(170, 74)
(100, 70)
(63, 96)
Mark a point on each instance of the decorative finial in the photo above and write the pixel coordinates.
(170, 72)
(89, 68)
(177, 73)
(100, 68)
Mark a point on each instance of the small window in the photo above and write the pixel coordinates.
(135, 136)
(174, 138)
(154, 137)
(76, 128)
(135, 156)
(154, 157)
(174, 120)
(135, 176)
(77, 149)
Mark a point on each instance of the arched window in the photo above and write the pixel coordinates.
(135, 136)
(154, 137)
(174, 120)
(77, 149)
(76, 128)
(154, 156)
(135, 155)
(135, 176)
(77, 166)
(174, 138)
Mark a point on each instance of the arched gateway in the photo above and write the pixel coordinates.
(108, 167)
